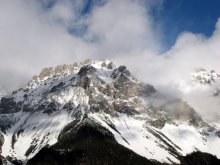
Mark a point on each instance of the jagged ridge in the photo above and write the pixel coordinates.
(58, 99)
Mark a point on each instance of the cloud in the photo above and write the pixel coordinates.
(38, 34)
(31, 38)
(169, 70)
(34, 36)
(121, 27)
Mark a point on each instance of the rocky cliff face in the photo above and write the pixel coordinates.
(98, 94)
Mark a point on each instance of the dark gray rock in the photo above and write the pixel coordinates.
(147, 90)
(86, 70)
(5, 122)
(57, 87)
(120, 70)
(218, 133)
(158, 123)
(8, 105)
(1, 142)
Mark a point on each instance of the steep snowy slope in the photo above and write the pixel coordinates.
(57, 101)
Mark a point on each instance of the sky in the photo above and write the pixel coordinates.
(197, 16)
(160, 41)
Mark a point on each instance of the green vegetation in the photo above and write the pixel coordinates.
(88, 145)
(200, 158)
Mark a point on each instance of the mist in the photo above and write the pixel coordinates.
(35, 35)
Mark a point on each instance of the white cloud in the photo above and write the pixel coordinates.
(168, 70)
(30, 41)
(33, 37)
(121, 27)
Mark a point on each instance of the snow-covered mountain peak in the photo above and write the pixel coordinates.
(61, 71)
(100, 81)
(58, 100)
(200, 79)
(203, 77)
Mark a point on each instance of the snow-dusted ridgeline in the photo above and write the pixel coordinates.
(58, 97)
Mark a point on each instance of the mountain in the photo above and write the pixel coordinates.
(201, 79)
(97, 113)
(3, 92)
(201, 90)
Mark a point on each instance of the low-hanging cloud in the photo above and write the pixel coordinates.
(35, 34)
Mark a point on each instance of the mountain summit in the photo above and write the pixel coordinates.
(95, 111)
